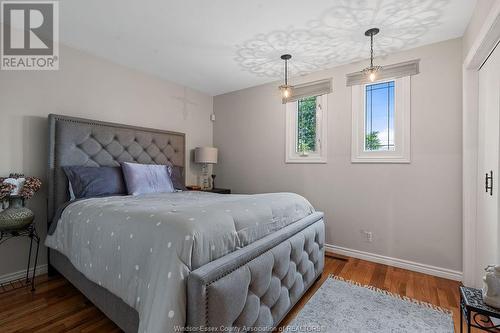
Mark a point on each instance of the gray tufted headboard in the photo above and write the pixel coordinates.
(76, 141)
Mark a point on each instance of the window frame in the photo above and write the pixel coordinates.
(292, 156)
(402, 125)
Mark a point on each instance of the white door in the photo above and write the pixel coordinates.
(488, 163)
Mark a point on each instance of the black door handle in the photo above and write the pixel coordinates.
(488, 182)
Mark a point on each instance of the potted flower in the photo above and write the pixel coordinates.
(15, 190)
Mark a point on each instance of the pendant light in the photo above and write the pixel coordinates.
(371, 72)
(286, 89)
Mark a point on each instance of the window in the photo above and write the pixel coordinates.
(381, 122)
(306, 130)
(379, 116)
(306, 126)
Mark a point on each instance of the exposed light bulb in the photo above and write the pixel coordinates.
(373, 76)
(286, 92)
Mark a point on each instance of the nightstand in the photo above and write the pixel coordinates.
(214, 190)
(219, 190)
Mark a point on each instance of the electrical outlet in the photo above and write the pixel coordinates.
(368, 235)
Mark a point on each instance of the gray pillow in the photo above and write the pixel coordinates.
(146, 178)
(176, 174)
(89, 182)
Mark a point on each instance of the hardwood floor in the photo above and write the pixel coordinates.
(422, 287)
(57, 306)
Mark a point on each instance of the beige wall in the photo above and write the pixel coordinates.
(86, 86)
(414, 210)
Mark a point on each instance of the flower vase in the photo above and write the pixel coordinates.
(16, 216)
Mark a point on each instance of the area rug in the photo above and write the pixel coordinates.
(343, 306)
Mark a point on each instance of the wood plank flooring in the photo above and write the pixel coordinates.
(57, 306)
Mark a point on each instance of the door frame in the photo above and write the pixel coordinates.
(487, 39)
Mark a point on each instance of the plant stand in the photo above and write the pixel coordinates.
(30, 232)
(475, 312)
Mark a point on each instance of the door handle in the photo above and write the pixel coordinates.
(488, 182)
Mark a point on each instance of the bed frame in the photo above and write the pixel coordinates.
(254, 286)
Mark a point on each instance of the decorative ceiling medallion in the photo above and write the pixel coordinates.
(337, 38)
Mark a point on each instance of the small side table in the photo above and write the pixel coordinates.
(30, 232)
(476, 313)
(213, 190)
(219, 190)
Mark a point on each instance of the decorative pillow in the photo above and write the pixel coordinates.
(71, 193)
(147, 178)
(89, 182)
(177, 176)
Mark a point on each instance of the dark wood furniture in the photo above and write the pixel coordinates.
(219, 190)
(213, 190)
(476, 313)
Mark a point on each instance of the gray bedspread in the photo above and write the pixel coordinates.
(141, 248)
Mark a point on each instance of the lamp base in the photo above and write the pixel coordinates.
(204, 177)
(213, 181)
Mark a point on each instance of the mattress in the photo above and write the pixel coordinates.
(142, 248)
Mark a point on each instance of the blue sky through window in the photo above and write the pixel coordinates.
(379, 116)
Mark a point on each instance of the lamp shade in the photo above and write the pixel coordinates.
(205, 155)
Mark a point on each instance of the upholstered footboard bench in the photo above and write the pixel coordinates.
(255, 287)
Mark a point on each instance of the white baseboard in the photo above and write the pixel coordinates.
(400, 263)
(41, 269)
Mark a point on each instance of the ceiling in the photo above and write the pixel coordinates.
(218, 46)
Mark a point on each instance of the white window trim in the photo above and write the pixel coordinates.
(402, 134)
(291, 136)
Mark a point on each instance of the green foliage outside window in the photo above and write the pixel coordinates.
(372, 142)
(306, 125)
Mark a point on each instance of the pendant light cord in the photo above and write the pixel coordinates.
(371, 50)
(286, 72)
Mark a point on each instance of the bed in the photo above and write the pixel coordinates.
(244, 260)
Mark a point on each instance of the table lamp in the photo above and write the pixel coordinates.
(205, 156)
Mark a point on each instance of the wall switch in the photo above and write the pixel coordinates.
(212, 117)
